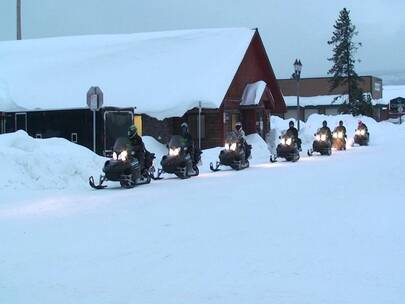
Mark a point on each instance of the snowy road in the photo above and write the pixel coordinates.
(323, 230)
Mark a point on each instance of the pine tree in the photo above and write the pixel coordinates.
(343, 69)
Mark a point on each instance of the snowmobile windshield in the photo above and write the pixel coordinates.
(176, 141)
(231, 138)
(121, 144)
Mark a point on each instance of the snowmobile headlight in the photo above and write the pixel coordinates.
(288, 141)
(363, 132)
(226, 146)
(340, 135)
(233, 147)
(123, 155)
(114, 156)
(323, 137)
(282, 141)
(358, 132)
(335, 135)
(318, 137)
(174, 152)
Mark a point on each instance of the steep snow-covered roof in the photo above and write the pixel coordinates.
(162, 74)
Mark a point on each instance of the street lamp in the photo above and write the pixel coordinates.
(297, 76)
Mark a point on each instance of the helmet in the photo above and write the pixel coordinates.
(291, 123)
(324, 123)
(132, 131)
(360, 122)
(238, 126)
(340, 123)
(184, 128)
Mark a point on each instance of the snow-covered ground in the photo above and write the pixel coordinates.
(322, 230)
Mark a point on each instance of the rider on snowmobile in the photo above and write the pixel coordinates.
(242, 138)
(325, 130)
(187, 139)
(341, 128)
(292, 131)
(362, 126)
(137, 147)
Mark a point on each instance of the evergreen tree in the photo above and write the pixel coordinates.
(343, 69)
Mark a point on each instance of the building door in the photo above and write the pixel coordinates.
(21, 121)
(116, 124)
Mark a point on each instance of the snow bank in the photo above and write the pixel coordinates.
(55, 163)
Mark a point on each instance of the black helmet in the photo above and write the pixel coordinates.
(340, 123)
(324, 123)
(132, 131)
(291, 123)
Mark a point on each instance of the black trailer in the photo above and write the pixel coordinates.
(75, 125)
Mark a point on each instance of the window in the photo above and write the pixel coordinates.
(38, 135)
(73, 138)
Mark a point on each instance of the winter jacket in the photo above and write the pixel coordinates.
(341, 129)
(326, 130)
(292, 131)
(137, 149)
(187, 142)
(241, 135)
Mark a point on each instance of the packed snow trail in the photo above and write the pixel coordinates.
(322, 230)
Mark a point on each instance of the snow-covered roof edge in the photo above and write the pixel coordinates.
(162, 74)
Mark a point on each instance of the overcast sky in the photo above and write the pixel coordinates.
(290, 29)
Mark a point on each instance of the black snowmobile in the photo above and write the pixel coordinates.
(338, 140)
(361, 137)
(235, 154)
(287, 148)
(178, 161)
(322, 144)
(124, 168)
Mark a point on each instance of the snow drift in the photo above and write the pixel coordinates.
(54, 163)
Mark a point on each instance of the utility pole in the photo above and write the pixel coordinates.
(18, 19)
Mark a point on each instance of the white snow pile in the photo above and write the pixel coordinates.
(162, 74)
(153, 146)
(54, 163)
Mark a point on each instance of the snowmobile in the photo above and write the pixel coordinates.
(321, 144)
(338, 140)
(287, 148)
(124, 168)
(178, 161)
(361, 137)
(235, 154)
